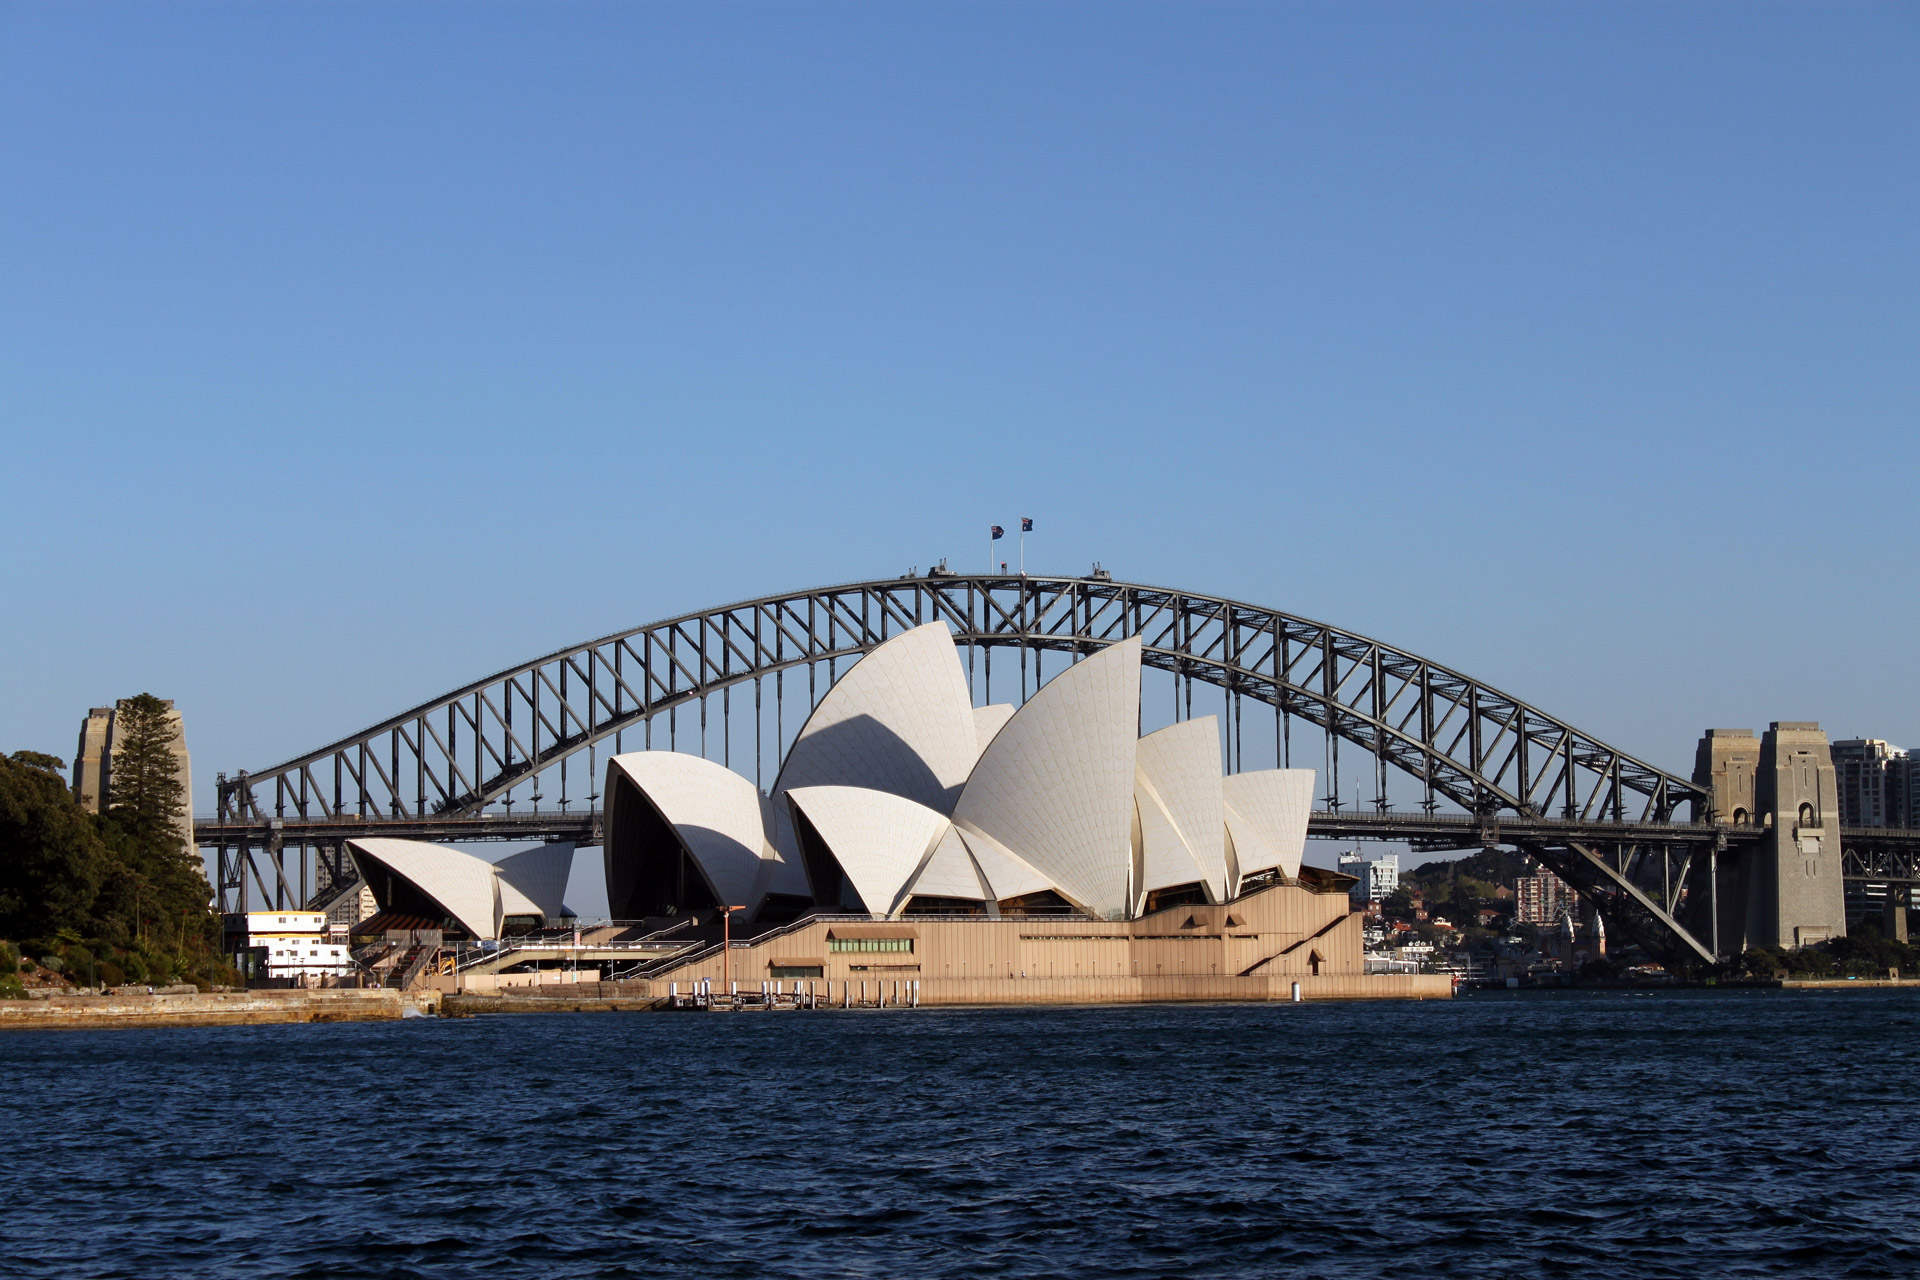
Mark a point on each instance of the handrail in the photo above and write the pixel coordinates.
(466, 957)
(423, 956)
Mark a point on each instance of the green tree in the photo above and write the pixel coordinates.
(145, 787)
(147, 807)
(1398, 905)
(52, 859)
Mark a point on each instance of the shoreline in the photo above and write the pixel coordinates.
(282, 1007)
(375, 1004)
(215, 1009)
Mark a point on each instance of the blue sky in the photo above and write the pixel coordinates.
(348, 352)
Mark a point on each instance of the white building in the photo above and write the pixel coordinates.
(297, 944)
(1378, 877)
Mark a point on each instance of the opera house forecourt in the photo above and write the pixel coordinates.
(1045, 853)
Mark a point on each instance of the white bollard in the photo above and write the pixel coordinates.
(1296, 993)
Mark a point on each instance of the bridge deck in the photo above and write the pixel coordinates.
(1437, 830)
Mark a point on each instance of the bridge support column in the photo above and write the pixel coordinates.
(1794, 896)
(1894, 918)
(1725, 763)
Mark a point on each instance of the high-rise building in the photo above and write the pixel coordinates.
(1377, 877)
(1542, 898)
(93, 763)
(1876, 781)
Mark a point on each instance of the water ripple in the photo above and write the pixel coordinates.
(1671, 1135)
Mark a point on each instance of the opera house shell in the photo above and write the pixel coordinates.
(418, 885)
(900, 798)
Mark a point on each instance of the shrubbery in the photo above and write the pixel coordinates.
(104, 899)
(1862, 954)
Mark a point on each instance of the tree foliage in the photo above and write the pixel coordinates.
(1491, 866)
(53, 859)
(1862, 954)
(144, 784)
(121, 895)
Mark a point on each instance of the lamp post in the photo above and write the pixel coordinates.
(726, 950)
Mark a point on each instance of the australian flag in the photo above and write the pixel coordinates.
(1026, 524)
(996, 532)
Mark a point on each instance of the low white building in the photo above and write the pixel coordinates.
(297, 944)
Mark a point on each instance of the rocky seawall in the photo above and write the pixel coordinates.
(210, 1009)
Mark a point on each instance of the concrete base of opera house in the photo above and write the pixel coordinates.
(1037, 991)
(1257, 947)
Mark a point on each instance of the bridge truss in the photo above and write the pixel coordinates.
(518, 754)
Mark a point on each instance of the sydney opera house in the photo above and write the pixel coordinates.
(1047, 851)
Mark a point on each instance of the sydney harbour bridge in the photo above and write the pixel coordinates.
(1409, 750)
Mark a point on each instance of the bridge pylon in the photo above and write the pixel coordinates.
(1784, 890)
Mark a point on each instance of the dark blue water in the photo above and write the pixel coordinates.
(1617, 1135)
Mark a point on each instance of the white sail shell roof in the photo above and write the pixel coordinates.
(949, 872)
(1004, 872)
(533, 881)
(720, 817)
(458, 881)
(989, 720)
(900, 721)
(1056, 784)
(879, 840)
(1177, 785)
(1267, 813)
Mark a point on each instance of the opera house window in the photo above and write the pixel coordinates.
(869, 944)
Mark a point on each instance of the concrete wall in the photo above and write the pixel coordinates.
(219, 1008)
(1377, 986)
(486, 984)
(1254, 948)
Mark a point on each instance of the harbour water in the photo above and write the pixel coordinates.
(1683, 1134)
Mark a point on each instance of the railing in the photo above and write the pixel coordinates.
(468, 957)
(423, 957)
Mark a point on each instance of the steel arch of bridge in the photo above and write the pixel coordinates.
(1464, 741)
(455, 762)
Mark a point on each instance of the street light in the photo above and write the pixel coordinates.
(726, 950)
